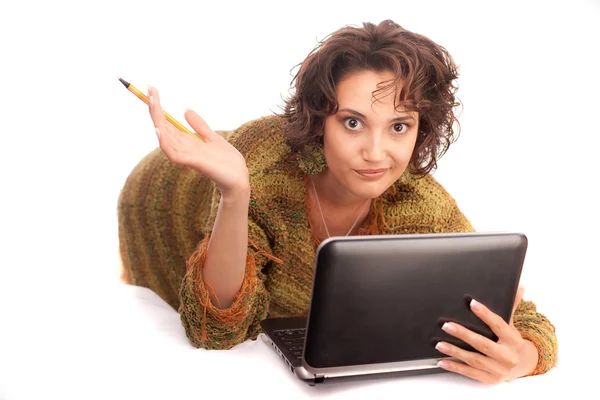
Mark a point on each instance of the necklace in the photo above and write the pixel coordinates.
(323, 217)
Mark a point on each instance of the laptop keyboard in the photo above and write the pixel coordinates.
(293, 340)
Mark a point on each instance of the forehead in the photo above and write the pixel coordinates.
(363, 91)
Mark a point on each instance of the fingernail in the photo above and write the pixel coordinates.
(449, 328)
(441, 347)
(151, 100)
(475, 305)
(442, 364)
(157, 132)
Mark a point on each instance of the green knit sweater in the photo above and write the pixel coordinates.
(166, 214)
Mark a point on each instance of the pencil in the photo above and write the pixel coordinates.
(145, 99)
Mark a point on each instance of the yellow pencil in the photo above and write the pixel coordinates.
(145, 99)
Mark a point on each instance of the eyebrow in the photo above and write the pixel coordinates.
(363, 116)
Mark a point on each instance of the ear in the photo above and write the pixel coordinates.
(518, 298)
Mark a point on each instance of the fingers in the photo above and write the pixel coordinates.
(156, 112)
(497, 359)
(496, 323)
(473, 359)
(160, 121)
(518, 298)
(481, 343)
(470, 372)
(199, 125)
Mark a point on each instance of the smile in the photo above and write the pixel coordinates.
(371, 174)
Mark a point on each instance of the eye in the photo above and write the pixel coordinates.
(352, 124)
(400, 128)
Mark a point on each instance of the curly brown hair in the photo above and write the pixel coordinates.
(424, 70)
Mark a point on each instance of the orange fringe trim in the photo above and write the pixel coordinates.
(260, 252)
(229, 316)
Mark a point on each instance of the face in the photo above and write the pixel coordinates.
(368, 144)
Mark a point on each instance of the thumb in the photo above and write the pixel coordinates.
(199, 125)
(518, 298)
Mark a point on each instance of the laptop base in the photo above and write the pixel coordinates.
(272, 325)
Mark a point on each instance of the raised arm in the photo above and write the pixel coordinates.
(222, 294)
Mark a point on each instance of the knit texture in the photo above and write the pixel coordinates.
(166, 213)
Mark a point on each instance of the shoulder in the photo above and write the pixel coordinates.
(258, 134)
(262, 143)
(272, 165)
(423, 203)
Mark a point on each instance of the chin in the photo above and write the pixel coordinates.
(370, 190)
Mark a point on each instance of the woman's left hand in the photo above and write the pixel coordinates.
(501, 361)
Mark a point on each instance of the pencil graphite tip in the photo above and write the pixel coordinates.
(124, 82)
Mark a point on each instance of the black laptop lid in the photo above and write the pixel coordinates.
(383, 299)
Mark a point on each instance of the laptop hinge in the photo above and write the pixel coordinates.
(319, 378)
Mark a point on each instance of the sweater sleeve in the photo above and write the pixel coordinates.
(210, 327)
(532, 325)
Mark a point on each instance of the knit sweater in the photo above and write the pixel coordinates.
(166, 214)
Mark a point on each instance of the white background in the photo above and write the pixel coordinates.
(70, 133)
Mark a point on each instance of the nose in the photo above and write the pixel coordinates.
(373, 150)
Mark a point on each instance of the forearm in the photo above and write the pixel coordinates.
(224, 268)
(221, 323)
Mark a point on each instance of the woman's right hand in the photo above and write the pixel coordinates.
(215, 158)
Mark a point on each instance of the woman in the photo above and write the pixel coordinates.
(226, 229)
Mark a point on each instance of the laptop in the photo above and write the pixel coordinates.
(378, 302)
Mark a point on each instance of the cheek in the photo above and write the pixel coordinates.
(402, 156)
(333, 154)
(406, 154)
(336, 148)
(405, 151)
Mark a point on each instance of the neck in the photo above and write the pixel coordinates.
(343, 215)
(333, 193)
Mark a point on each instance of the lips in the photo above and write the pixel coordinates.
(371, 173)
